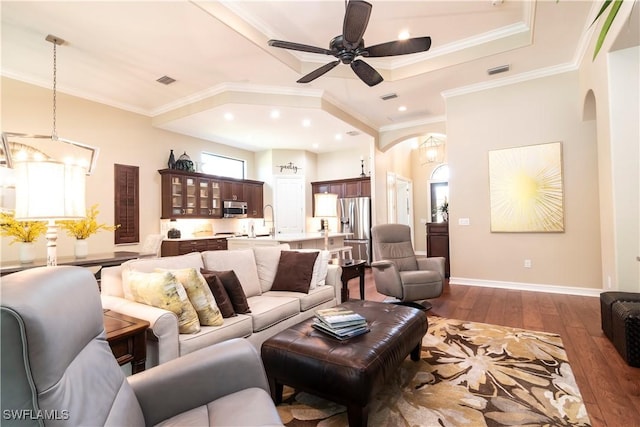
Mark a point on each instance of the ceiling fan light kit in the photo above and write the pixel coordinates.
(350, 44)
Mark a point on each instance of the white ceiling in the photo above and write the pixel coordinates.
(217, 51)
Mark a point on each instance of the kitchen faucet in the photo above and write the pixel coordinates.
(264, 220)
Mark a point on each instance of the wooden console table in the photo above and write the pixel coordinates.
(109, 259)
(127, 337)
(351, 268)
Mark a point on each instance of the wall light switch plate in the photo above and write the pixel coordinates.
(463, 221)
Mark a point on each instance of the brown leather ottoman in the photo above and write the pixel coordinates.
(348, 372)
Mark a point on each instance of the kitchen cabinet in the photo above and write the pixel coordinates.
(255, 198)
(185, 246)
(351, 187)
(233, 190)
(438, 242)
(197, 195)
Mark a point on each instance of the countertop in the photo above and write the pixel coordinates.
(294, 237)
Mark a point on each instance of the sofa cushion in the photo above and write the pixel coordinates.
(267, 258)
(295, 270)
(314, 298)
(147, 265)
(200, 295)
(219, 293)
(240, 326)
(234, 289)
(269, 310)
(162, 290)
(241, 261)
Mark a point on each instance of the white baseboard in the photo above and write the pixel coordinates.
(534, 287)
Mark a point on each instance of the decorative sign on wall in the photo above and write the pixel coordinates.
(288, 167)
(526, 190)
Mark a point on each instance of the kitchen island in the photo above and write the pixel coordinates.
(295, 241)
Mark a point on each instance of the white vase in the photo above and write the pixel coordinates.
(27, 252)
(81, 248)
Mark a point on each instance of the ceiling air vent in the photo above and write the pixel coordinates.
(353, 133)
(166, 80)
(389, 96)
(498, 70)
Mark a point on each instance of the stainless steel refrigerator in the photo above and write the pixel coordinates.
(355, 217)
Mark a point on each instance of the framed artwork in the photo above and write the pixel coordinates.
(526, 189)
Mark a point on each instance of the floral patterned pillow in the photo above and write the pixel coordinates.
(200, 295)
(162, 290)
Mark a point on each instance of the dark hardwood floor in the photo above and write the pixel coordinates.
(609, 387)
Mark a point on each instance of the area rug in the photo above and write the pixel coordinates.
(470, 374)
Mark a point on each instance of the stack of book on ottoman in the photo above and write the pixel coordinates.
(340, 323)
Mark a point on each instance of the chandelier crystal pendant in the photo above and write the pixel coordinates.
(45, 188)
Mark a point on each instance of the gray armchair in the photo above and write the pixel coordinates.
(398, 272)
(58, 369)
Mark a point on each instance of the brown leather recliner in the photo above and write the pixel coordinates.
(398, 272)
(58, 369)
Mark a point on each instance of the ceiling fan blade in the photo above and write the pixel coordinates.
(318, 72)
(300, 47)
(399, 47)
(356, 19)
(366, 72)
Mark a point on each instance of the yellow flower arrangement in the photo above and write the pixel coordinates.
(21, 231)
(83, 228)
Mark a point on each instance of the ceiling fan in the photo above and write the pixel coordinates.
(350, 44)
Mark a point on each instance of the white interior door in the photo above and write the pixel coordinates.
(289, 205)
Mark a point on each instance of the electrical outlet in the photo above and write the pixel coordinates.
(527, 263)
(463, 221)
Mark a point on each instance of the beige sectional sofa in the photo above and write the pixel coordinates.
(271, 311)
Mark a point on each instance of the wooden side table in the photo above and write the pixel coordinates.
(127, 337)
(351, 268)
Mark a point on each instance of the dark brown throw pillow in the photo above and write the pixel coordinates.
(219, 293)
(294, 271)
(234, 290)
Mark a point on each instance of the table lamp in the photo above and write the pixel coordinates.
(326, 206)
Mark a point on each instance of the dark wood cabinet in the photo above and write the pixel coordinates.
(254, 196)
(197, 195)
(233, 190)
(181, 247)
(352, 187)
(438, 242)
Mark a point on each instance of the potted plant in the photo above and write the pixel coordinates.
(23, 232)
(444, 210)
(82, 229)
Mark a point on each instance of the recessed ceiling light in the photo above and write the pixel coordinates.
(315, 145)
(228, 116)
(338, 137)
(404, 35)
(402, 108)
(306, 123)
(275, 114)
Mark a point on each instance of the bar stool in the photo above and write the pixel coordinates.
(343, 252)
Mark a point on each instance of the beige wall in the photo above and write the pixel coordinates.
(123, 138)
(533, 112)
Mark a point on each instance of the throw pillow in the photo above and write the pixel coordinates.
(219, 293)
(319, 267)
(295, 270)
(200, 295)
(234, 289)
(163, 290)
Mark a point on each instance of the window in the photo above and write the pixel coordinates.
(439, 189)
(214, 164)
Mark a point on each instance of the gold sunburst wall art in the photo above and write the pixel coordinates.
(526, 190)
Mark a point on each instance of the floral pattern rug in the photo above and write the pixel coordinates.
(470, 374)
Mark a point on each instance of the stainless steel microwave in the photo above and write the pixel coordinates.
(234, 209)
